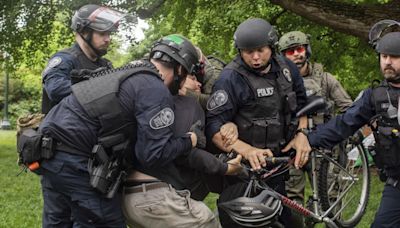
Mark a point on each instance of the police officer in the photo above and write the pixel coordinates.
(93, 26)
(114, 119)
(380, 104)
(296, 47)
(258, 91)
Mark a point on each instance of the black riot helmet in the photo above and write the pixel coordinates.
(97, 18)
(91, 18)
(255, 33)
(178, 48)
(389, 44)
(381, 28)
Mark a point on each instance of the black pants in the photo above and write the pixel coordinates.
(388, 214)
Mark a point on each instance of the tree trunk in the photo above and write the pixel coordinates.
(348, 18)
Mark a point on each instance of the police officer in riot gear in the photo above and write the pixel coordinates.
(379, 105)
(167, 187)
(92, 25)
(112, 121)
(296, 46)
(258, 91)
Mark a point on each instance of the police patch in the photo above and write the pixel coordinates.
(52, 63)
(286, 73)
(265, 92)
(219, 98)
(162, 119)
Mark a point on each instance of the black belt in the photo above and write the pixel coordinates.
(146, 187)
(64, 148)
(393, 182)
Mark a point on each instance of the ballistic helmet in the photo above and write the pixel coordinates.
(177, 48)
(98, 18)
(381, 28)
(295, 38)
(389, 44)
(255, 33)
(258, 211)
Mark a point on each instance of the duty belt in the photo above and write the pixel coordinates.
(64, 148)
(146, 187)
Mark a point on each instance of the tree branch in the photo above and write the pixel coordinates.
(348, 18)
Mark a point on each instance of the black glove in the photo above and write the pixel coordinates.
(201, 138)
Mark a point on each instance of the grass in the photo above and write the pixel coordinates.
(20, 198)
(21, 201)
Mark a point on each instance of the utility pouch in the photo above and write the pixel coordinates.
(388, 147)
(259, 133)
(291, 102)
(29, 143)
(48, 147)
(274, 134)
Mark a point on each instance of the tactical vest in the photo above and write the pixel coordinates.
(99, 95)
(80, 62)
(111, 157)
(212, 71)
(316, 84)
(387, 130)
(264, 121)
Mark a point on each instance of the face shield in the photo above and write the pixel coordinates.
(381, 28)
(105, 19)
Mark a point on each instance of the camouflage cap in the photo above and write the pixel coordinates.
(292, 39)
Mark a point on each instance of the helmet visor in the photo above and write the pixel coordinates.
(105, 19)
(380, 28)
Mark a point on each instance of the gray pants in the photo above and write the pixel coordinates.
(165, 207)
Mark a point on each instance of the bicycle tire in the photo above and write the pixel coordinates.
(325, 186)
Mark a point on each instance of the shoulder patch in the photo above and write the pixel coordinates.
(287, 74)
(52, 63)
(162, 119)
(217, 99)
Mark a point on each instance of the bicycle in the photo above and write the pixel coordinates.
(260, 204)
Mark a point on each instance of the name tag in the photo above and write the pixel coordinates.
(265, 92)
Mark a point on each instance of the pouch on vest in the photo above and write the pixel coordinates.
(274, 135)
(29, 145)
(291, 102)
(258, 133)
(387, 149)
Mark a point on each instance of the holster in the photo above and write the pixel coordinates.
(106, 165)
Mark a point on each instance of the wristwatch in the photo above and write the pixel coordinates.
(305, 131)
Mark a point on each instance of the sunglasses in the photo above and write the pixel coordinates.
(299, 49)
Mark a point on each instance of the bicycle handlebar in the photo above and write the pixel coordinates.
(277, 160)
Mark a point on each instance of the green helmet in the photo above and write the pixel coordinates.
(294, 38)
(178, 48)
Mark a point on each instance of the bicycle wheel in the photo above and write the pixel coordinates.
(343, 184)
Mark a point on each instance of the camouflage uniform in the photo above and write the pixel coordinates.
(212, 70)
(324, 84)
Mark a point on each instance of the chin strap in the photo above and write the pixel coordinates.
(88, 41)
(175, 85)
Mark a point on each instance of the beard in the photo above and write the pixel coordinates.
(391, 75)
(300, 62)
